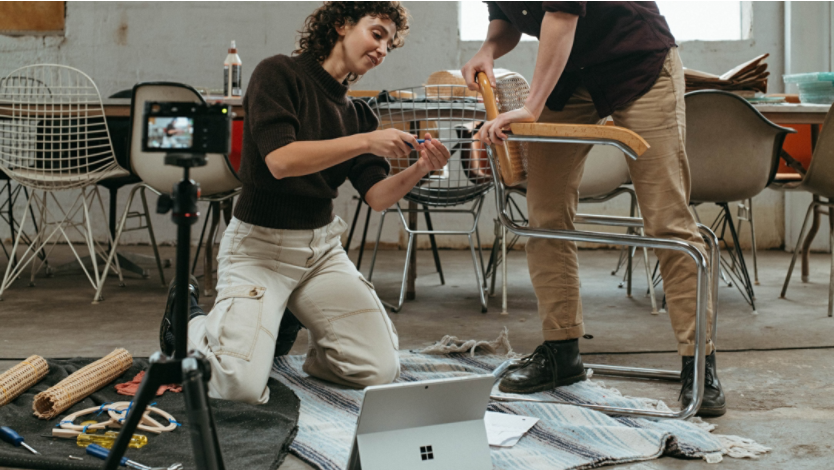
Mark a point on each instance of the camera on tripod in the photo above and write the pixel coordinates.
(187, 127)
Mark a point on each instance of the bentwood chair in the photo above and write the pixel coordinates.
(508, 170)
(55, 140)
(819, 181)
(218, 180)
(446, 113)
(733, 154)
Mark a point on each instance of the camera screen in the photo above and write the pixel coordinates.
(170, 132)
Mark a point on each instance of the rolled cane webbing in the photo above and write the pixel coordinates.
(19, 378)
(81, 384)
(511, 91)
(447, 77)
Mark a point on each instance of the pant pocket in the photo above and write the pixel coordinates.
(235, 321)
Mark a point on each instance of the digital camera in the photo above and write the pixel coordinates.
(187, 127)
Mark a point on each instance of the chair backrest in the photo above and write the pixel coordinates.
(510, 93)
(215, 178)
(53, 132)
(733, 150)
(820, 176)
(605, 171)
(445, 113)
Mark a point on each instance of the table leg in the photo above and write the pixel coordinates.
(411, 292)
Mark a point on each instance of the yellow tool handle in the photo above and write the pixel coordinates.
(108, 439)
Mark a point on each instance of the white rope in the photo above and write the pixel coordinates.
(452, 344)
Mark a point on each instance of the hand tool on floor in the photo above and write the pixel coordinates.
(137, 441)
(7, 434)
(100, 452)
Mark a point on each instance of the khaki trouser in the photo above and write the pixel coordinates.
(661, 180)
(262, 271)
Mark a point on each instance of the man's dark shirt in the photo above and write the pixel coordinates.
(618, 50)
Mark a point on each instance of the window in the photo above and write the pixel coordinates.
(689, 21)
(474, 22)
(703, 21)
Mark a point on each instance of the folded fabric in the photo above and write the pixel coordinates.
(130, 388)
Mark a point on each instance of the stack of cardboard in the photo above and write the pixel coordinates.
(750, 76)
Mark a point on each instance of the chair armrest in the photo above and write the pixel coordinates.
(583, 131)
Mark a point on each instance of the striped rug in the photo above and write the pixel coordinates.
(566, 437)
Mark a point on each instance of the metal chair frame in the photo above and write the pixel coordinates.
(56, 139)
(478, 261)
(630, 241)
(814, 207)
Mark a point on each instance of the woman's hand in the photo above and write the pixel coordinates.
(493, 131)
(392, 143)
(480, 62)
(434, 155)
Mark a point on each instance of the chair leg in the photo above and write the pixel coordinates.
(492, 264)
(831, 275)
(376, 245)
(353, 224)
(434, 251)
(10, 274)
(478, 273)
(409, 252)
(739, 259)
(504, 271)
(153, 237)
(112, 255)
(364, 238)
(811, 208)
(753, 240)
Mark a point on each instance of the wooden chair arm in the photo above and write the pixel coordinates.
(583, 131)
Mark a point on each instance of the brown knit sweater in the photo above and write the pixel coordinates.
(294, 99)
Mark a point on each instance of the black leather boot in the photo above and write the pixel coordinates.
(713, 403)
(167, 342)
(287, 332)
(553, 364)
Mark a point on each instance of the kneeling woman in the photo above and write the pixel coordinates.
(303, 137)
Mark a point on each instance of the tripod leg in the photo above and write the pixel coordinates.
(200, 420)
(158, 374)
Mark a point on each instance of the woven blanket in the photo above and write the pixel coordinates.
(566, 437)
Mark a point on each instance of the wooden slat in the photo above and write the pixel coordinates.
(580, 131)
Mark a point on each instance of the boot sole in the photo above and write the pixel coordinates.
(711, 412)
(544, 387)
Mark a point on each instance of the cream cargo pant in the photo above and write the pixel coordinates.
(661, 180)
(261, 271)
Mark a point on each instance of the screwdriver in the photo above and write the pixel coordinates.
(137, 441)
(7, 434)
(98, 451)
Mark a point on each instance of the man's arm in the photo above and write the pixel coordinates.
(555, 44)
(502, 37)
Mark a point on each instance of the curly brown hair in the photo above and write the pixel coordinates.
(319, 34)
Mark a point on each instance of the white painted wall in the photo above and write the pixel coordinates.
(121, 43)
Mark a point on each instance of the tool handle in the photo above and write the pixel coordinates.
(98, 451)
(7, 434)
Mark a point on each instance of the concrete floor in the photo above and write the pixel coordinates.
(776, 366)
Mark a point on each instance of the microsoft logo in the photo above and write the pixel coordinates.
(426, 453)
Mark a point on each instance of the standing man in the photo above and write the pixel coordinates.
(598, 59)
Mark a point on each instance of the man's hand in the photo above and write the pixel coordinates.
(434, 155)
(392, 143)
(481, 62)
(493, 131)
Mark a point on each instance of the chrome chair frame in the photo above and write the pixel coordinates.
(631, 241)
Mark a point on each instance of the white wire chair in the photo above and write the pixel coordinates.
(446, 113)
(53, 138)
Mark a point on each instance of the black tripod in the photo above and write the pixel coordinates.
(192, 371)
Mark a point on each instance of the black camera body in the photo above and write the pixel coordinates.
(187, 127)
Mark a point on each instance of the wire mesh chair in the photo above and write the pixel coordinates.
(55, 138)
(508, 164)
(445, 112)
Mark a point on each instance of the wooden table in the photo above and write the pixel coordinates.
(801, 113)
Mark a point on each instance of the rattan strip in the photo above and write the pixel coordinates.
(81, 384)
(21, 377)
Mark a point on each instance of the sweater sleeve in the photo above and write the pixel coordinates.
(495, 12)
(273, 105)
(574, 8)
(367, 169)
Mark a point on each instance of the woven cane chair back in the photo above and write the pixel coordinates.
(445, 112)
(510, 93)
(53, 132)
